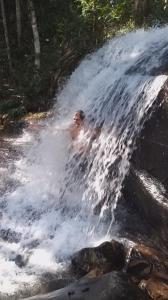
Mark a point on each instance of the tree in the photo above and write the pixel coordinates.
(6, 35)
(141, 10)
(35, 34)
(18, 22)
(96, 15)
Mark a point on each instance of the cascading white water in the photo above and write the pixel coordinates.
(65, 201)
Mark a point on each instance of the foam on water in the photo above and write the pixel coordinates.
(65, 201)
(154, 187)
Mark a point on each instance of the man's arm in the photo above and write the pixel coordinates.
(35, 126)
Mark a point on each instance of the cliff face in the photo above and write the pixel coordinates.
(147, 182)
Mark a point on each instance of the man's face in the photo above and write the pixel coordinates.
(77, 119)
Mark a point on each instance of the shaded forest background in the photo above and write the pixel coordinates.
(42, 41)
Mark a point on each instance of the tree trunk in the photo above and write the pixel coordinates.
(18, 22)
(6, 35)
(141, 10)
(35, 34)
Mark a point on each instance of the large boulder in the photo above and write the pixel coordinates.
(106, 257)
(148, 268)
(156, 288)
(112, 286)
(151, 152)
(150, 198)
(144, 262)
(147, 182)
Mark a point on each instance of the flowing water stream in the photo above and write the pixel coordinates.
(55, 200)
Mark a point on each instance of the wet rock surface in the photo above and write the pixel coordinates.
(149, 197)
(20, 261)
(145, 266)
(145, 261)
(143, 274)
(152, 145)
(106, 257)
(49, 283)
(10, 235)
(147, 183)
(112, 286)
(156, 288)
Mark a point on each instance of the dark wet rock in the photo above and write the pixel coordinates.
(152, 145)
(15, 127)
(148, 269)
(145, 262)
(149, 198)
(156, 288)
(112, 286)
(56, 284)
(150, 160)
(20, 261)
(32, 244)
(104, 258)
(10, 235)
(139, 268)
(135, 227)
(32, 214)
(51, 282)
(3, 205)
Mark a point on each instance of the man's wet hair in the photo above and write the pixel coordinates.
(81, 113)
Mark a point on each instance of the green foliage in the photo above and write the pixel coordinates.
(8, 104)
(16, 113)
(66, 26)
(158, 11)
(14, 108)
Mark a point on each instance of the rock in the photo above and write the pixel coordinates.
(144, 262)
(105, 258)
(139, 268)
(151, 153)
(148, 268)
(38, 116)
(10, 235)
(156, 288)
(53, 281)
(15, 127)
(20, 261)
(150, 159)
(150, 198)
(94, 273)
(112, 286)
(4, 118)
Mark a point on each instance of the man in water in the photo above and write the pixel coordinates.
(77, 125)
(78, 162)
(74, 129)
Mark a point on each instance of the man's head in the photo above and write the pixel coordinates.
(79, 117)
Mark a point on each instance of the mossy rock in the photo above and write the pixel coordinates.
(36, 116)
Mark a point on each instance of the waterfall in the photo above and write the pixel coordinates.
(64, 200)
